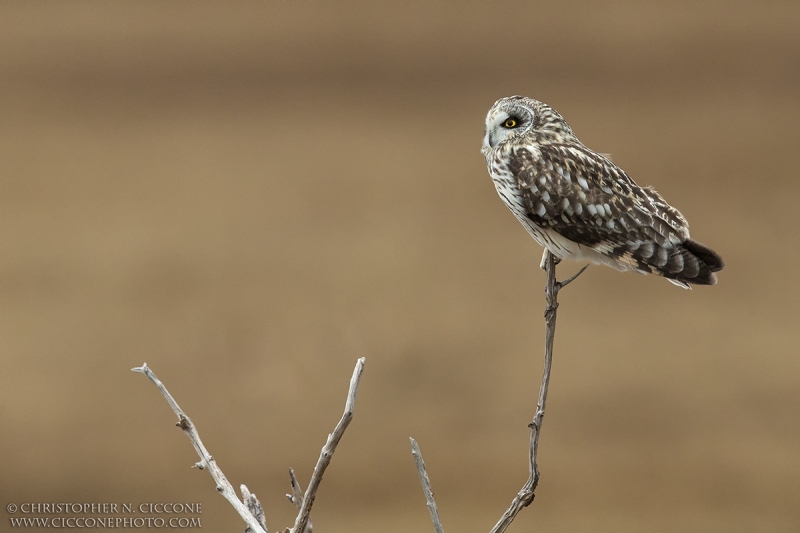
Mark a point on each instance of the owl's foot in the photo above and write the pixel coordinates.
(543, 264)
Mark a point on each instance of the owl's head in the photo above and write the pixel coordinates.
(519, 117)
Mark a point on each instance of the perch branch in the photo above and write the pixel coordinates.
(327, 451)
(426, 487)
(207, 461)
(526, 495)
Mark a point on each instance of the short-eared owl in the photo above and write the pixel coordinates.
(580, 205)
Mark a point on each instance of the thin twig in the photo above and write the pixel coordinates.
(526, 495)
(562, 284)
(426, 486)
(327, 451)
(296, 497)
(206, 459)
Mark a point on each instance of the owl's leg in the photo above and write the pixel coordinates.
(543, 264)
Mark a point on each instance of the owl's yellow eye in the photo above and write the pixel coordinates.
(510, 123)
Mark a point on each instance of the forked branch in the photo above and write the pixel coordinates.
(250, 508)
(296, 497)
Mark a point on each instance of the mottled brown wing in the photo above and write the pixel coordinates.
(587, 199)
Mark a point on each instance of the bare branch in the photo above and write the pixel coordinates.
(562, 284)
(206, 459)
(526, 495)
(426, 486)
(254, 506)
(296, 497)
(327, 451)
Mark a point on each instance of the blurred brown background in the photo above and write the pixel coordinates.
(249, 196)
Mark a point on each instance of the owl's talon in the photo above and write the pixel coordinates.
(543, 263)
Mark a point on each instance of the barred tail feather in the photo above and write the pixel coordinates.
(686, 263)
(705, 254)
(697, 265)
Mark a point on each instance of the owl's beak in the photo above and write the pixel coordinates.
(490, 139)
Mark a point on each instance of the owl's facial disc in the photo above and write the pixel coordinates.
(504, 123)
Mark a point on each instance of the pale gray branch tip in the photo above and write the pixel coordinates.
(426, 486)
(326, 454)
(254, 506)
(207, 461)
(296, 497)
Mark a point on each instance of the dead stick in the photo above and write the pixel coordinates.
(526, 495)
